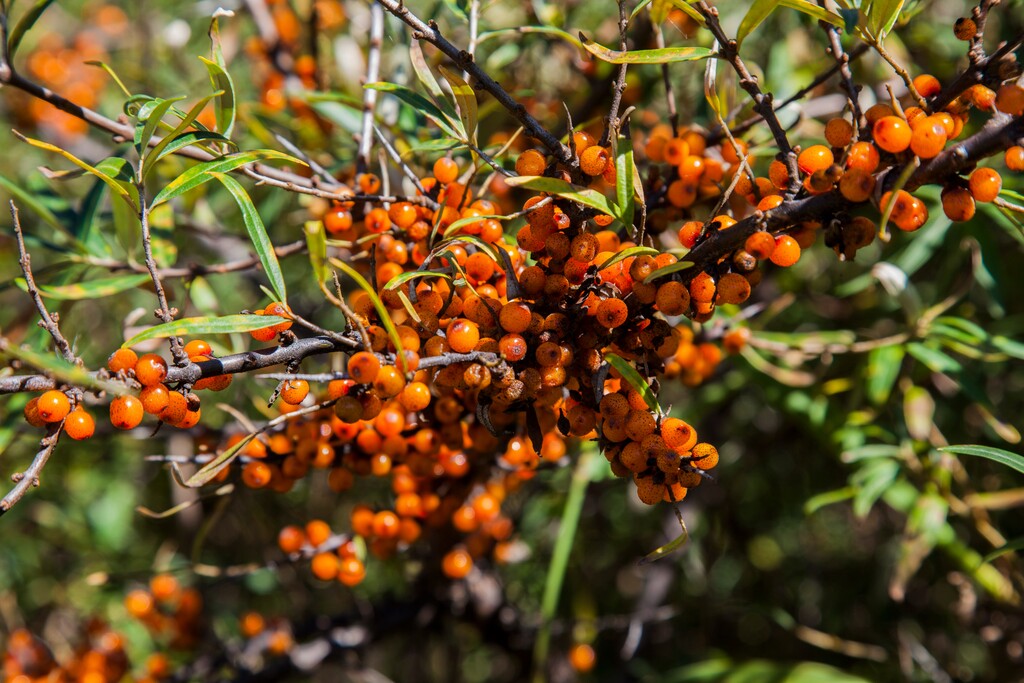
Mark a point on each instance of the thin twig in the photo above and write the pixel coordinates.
(47, 321)
(369, 94)
(164, 312)
(846, 76)
(23, 481)
(611, 122)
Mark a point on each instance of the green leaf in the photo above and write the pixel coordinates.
(225, 105)
(1009, 346)
(933, 359)
(201, 173)
(225, 324)
(257, 234)
(149, 119)
(113, 74)
(668, 270)
(27, 21)
(883, 369)
(1011, 547)
(627, 253)
(544, 30)
(382, 311)
(454, 227)
(625, 190)
(173, 138)
(665, 55)
(422, 105)
(1000, 456)
(872, 480)
(25, 199)
(633, 378)
(410, 275)
(758, 12)
(94, 289)
(815, 11)
(423, 73)
(213, 468)
(673, 545)
(582, 195)
(881, 16)
(316, 244)
(815, 503)
(114, 185)
(465, 98)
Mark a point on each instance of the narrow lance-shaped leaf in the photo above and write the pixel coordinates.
(881, 16)
(144, 131)
(758, 12)
(663, 55)
(465, 98)
(25, 22)
(634, 379)
(225, 110)
(257, 234)
(625, 196)
(316, 244)
(88, 168)
(161, 148)
(423, 73)
(93, 289)
(543, 30)
(998, 455)
(632, 252)
(815, 11)
(583, 195)
(213, 468)
(226, 324)
(422, 105)
(670, 547)
(201, 173)
(668, 270)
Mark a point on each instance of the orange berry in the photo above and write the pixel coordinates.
(760, 245)
(690, 232)
(198, 347)
(985, 184)
(672, 298)
(337, 221)
(457, 563)
(839, 132)
(815, 158)
(863, 155)
(594, 160)
(363, 367)
(126, 412)
(1014, 158)
(612, 313)
(324, 566)
(31, 413)
(317, 532)
(122, 359)
(1010, 100)
(389, 382)
(515, 317)
(446, 170)
(79, 424)
(928, 137)
(582, 657)
(256, 474)
(462, 335)
(139, 603)
(294, 391)
(856, 185)
(151, 369)
(927, 85)
(786, 252)
(176, 409)
(252, 624)
(958, 204)
(706, 456)
(164, 587)
(53, 406)
(532, 162)
(415, 396)
(351, 572)
(291, 539)
(892, 134)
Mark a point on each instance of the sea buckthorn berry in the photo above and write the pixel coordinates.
(1010, 100)
(264, 334)
(733, 288)
(324, 566)
(337, 221)
(164, 588)
(876, 112)
(126, 412)
(388, 383)
(958, 204)
(838, 132)
(689, 233)
(928, 138)
(531, 162)
(815, 158)
(463, 335)
(415, 397)
(138, 603)
(512, 347)
(584, 247)
(594, 160)
(457, 563)
(256, 474)
(175, 410)
(446, 170)
(760, 245)
(857, 185)
(291, 539)
(678, 435)
(675, 151)
(294, 391)
(985, 184)
(863, 155)
(515, 317)
(908, 212)
(351, 571)
(772, 201)
(53, 406)
(706, 456)
(79, 424)
(151, 369)
(702, 288)
(892, 134)
(368, 183)
(612, 313)
(363, 367)
(672, 298)
(122, 359)
(582, 658)
(31, 413)
(252, 624)
(965, 28)
(927, 85)
(198, 347)
(1014, 158)
(786, 252)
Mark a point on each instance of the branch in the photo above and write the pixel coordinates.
(843, 63)
(47, 321)
(198, 269)
(611, 122)
(369, 94)
(464, 60)
(164, 312)
(23, 481)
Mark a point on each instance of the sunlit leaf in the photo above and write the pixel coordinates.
(203, 172)
(225, 324)
(670, 547)
(634, 380)
(25, 22)
(93, 289)
(663, 55)
(555, 186)
(998, 455)
(225, 104)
